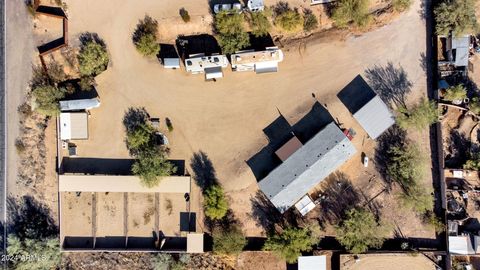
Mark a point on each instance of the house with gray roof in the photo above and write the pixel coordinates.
(304, 168)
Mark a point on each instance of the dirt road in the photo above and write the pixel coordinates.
(225, 119)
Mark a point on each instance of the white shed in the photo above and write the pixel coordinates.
(171, 63)
(312, 262)
(74, 126)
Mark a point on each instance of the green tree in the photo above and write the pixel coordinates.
(93, 58)
(420, 117)
(231, 241)
(290, 243)
(151, 165)
(401, 5)
(455, 93)
(473, 163)
(417, 198)
(289, 20)
(231, 35)
(351, 12)
(359, 231)
(145, 37)
(260, 24)
(141, 138)
(406, 165)
(310, 21)
(46, 99)
(456, 16)
(34, 254)
(215, 203)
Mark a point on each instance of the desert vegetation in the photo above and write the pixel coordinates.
(290, 243)
(287, 18)
(231, 34)
(456, 16)
(420, 116)
(351, 12)
(145, 36)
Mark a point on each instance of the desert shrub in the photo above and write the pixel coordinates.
(354, 12)
(230, 241)
(145, 37)
(406, 165)
(290, 243)
(310, 21)
(19, 146)
(46, 99)
(359, 231)
(215, 203)
(93, 58)
(184, 14)
(86, 83)
(231, 35)
(56, 72)
(401, 5)
(287, 18)
(260, 24)
(457, 16)
(46, 253)
(134, 118)
(474, 105)
(417, 198)
(473, 162)
(31, 9)
(420, 117)
(169, 124)
(433, 221)
(457, 92)
(162, 261)
(151, 166)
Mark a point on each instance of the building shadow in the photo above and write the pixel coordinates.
(140, 243)
(78, 92)
(456, 150)
(263, 162)
(338, 196)
(356, 94)
(108, 166)
(280, 131)
(390, 83)
(167, 51)
(111, 242)
(394, 136)
(49, 46)
(77, 242)
(55, 11)
(198, 44)
(203, 170)
(314, 121)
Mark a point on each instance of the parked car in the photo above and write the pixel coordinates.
(235, 8)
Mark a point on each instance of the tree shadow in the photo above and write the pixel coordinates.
(28, 218)
(88, 37)
(394, 136)
(456, 150)
(423, 62)
(390, 83)
(203, 170)
(134, 118)
(338, 196)
(145, 26)
(264, 212)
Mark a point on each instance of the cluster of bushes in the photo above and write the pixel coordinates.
(50, 85)
(151, 162)
(420, 116)
(456, 16)
(231, 34)
(145, 37)
(165, 261)
(290, 19)
(290, 243)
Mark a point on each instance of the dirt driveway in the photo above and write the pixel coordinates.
(225, 119)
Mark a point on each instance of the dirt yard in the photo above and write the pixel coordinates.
(225, 119)
(386, 261)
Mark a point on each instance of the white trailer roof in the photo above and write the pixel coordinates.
(74, 126)
(120, 183)
(199, 64)
(79, 104)
(460, 245)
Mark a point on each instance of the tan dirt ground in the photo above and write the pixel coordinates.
(47, 28)
(76, 214)
(141, 214)
(110, 214)
(386, 261)
(259, 260)
(225, 119)
(169, 218)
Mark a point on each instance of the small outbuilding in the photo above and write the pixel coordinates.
(195, 243)
(312, 262)
(171, 63)
(374, 117)
(305, 205)
(74, 126)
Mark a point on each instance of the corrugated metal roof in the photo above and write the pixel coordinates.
(171, 62)
(374, 117)
(120, 183)
(460, 245)
(308, 166)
